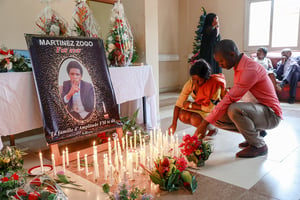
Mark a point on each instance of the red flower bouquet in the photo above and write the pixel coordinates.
(119, 43)
(39, 188)
(196, 150)
(170, 174)
(9, 182)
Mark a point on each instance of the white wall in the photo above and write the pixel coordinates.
(18, 17)
(178, 39)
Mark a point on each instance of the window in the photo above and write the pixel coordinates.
(272, 23)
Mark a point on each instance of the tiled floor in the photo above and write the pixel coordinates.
(274, 176)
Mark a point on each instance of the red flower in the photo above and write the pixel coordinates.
(186, 184)
(34, 196)
(166, 162)
(165, 165)
(51, 189)
(21, 192)
(102, 136)
(181, 164)
(16, 197)
(15, 176)
(36, 182)
(4, 179)
(189, 144)
(118, 45)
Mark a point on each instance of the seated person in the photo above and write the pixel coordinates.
(261, 58)
(288, 72)
(206, 89)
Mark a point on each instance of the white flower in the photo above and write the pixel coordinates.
(110, 38)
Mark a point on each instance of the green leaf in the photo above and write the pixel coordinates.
(63, 178)
(51, 196)
(105, 188)
(156, 180)
(194, 184)
(135, 114)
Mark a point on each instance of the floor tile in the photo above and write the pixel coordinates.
(282, 183)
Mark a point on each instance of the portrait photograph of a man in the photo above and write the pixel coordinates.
(78, 95)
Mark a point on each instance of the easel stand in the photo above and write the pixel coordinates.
(89, 151)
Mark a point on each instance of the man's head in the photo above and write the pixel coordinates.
(74, 70)
(226, 54)
(286, 53)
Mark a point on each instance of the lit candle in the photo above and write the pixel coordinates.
(136, 160)
(95, 157)
(124, 174)
(126, 141)
(78, 161)
(150, 141)
(53, 164)
(41, 162)
(86, 165)
(111, 174)
(64, 161)
(67, 156)
(130, 167)
(115, 145)
(105, 166)
(116, 162)
(123, 144)
(134, 139)
(96, 171)
(151, 151)
(144, 144)
(130, 143)
(121, 164)
(109, 150)
(140, 137)
(119, 148)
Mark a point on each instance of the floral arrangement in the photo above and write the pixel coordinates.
(40, 188)
(119, 43)
(11, 62)
(196, 150)
(125, 192)
(11, 160)
(170, 174)
(8, 182)
(50, 23)
(83, 22)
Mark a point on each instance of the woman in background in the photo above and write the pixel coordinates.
(210, 36)
(261, 58)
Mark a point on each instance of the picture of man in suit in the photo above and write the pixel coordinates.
(77, 95)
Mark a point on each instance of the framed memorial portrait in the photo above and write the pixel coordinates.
(74, 87)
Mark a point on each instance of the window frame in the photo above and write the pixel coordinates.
(248, 48)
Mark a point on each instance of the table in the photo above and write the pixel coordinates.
(131, 84)
(19, 106)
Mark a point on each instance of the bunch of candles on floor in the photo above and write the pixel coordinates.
(123, 163)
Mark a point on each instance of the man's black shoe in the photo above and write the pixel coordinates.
(263, 133)
(291, 100)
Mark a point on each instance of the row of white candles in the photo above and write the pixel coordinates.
(159, 146)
